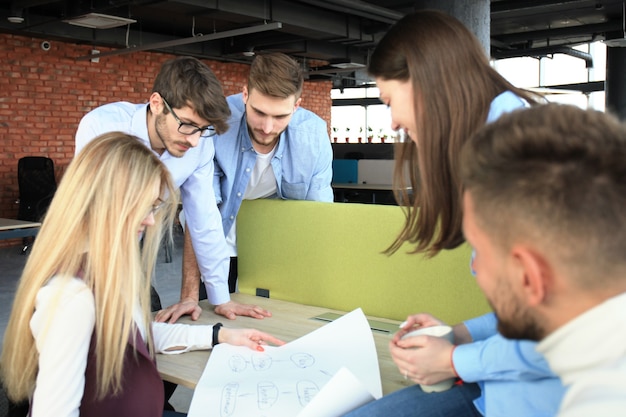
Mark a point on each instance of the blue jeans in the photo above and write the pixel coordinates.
(413, 402)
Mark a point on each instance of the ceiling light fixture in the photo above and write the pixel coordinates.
(15, 19)
(348, 65)
(16, 16)
(99, 21)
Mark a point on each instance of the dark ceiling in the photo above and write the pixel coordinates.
(329, 36)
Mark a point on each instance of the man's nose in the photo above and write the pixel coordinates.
(193, 140)
(268, 125)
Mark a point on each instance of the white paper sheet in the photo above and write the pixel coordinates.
(337, 362)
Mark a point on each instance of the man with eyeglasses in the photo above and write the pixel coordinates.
(186, 108)
(273, 149)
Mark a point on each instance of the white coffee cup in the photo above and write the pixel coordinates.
(438, 331)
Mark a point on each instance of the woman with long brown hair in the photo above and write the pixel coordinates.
(434, 75)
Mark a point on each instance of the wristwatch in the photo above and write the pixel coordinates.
(216, 331)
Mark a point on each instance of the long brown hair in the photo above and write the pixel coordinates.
(453, 86)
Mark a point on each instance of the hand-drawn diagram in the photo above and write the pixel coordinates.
(267, 392)
(303, 360)
(282, 381)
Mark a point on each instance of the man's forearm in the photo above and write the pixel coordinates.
(191, 272)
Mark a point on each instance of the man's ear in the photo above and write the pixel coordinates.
(156, 103)
(244, 92)
(298, 102)
(535, 274)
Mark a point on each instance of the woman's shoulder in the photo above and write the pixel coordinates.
(67, 288)
(505, 102)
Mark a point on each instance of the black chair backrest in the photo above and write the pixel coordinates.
(37, 185)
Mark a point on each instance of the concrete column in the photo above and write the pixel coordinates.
(615, 84)
(474, 14)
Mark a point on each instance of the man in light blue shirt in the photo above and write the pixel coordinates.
(185, 109)
(543, 209)
(272, 149)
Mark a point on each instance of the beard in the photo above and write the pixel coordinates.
(515, 320)
(267, 141)
(169, 144)
(522, 327)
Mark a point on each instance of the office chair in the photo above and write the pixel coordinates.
(37, 185)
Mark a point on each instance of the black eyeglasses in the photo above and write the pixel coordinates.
(189, 129)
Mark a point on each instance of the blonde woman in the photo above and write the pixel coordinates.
(80, 339)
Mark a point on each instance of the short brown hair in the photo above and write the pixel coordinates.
(187, 81)
(554, 175)
(276, 75)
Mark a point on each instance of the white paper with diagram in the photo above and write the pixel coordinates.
(327, 372)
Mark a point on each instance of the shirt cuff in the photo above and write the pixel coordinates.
(215, 294)
(182, 337)
(465, 364)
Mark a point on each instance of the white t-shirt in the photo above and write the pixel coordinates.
(262, 184)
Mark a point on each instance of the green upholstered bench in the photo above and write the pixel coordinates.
(330, 255)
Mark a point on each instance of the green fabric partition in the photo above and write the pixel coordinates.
(330, 255)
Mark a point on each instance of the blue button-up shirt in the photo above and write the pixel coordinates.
(514, 378)
(302, 163)
(193, 173)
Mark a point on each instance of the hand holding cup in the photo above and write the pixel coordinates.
(441, 331)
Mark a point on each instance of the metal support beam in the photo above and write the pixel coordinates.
(550, 50)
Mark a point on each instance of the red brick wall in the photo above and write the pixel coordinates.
(44, 94)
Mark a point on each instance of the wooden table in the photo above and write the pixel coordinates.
(10, 228)
(289, 321)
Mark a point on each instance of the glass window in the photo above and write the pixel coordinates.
(372, 122)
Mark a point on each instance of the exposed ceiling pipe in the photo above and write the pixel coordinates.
(549, 50)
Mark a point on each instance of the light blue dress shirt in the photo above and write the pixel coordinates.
(302, 163)
(514, 378)
(192, 173)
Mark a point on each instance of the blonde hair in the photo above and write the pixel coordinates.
(92, 228)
